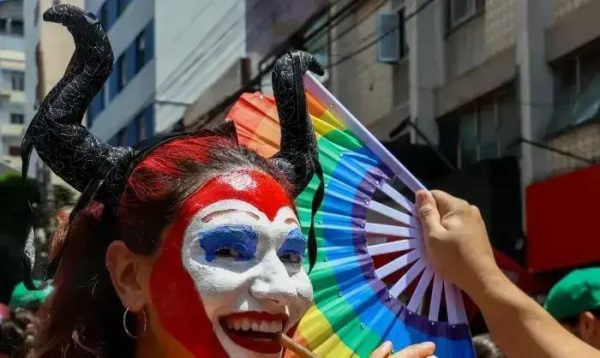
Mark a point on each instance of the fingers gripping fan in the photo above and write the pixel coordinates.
(372, 282)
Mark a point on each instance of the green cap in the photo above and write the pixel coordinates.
(577, 292)
(22, 297)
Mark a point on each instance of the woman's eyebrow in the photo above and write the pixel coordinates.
(214, 214)
(291, 221)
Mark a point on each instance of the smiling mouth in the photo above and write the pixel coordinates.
(255, 331)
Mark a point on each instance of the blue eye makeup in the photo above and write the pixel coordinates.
(236, 242)
(293, 248)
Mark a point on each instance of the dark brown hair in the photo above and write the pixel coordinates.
(83, 316)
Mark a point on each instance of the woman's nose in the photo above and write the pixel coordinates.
(273, 282)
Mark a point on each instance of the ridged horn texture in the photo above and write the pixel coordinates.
(298, 147)
(67, 147)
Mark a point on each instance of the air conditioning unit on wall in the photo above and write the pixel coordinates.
(389, 31)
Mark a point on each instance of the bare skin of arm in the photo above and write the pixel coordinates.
(458, 247)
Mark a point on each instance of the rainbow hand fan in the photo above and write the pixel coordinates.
(372, 282)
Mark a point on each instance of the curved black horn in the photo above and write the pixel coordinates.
(67, 147)
(298, 148)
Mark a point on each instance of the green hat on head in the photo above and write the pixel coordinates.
(22, 297)
(577, 292)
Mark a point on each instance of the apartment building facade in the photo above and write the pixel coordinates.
(165, 56)
(507, 92)
(489, 99)
(12, 82)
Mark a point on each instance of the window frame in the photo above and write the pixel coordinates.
(17, 80)
(497, 100)
(474, 9)
(21, 117)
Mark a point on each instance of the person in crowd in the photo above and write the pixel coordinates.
(458, 247)
(485, 347)
(186, 246)
(18, 328)
(575, 302)
(17, 333)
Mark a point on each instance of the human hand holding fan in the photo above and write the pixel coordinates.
(372, 281)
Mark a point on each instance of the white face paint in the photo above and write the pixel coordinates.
(248, 271)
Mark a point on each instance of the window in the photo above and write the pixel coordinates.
(17, 118)
(16, 27)
(460, 11)
(16, 80)
(140, 51)
(3, 26)
(576, 88)
(486, 129)
(14, 150)
(121, 72)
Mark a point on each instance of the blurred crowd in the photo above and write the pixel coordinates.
(18, 320)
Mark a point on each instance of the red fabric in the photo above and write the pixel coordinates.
(562, 221)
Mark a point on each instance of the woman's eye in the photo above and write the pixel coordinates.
(291, 257)
(227, 252)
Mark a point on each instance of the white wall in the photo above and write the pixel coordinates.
(196, 43)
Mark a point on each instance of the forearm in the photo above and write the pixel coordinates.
(521, 327)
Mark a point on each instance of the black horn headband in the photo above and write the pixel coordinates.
(99, 170)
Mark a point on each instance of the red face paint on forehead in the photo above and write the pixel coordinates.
(254, 187)
(178, 305)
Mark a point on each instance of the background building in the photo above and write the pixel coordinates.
(12, 81)
(166, 56)
(493, 100)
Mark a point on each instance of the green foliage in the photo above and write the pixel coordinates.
(14, 192)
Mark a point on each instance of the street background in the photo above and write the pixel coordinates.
(495, 101)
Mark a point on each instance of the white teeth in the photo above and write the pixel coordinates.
(264, 326)
(245, 324)
(275, 326)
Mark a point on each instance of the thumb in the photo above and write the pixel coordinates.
(420, 350)
(428, 212)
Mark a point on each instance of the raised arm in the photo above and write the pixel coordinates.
(458, 247)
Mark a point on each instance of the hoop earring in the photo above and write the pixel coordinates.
(126, 329)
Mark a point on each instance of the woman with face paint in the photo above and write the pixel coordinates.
(185, 247)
